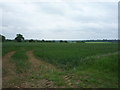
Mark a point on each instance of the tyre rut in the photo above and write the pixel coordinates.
(9, 68)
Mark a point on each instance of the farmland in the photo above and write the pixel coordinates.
(78, 65)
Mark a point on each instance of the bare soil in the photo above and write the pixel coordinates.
(37, 62)
(10, 77)
(9, 71)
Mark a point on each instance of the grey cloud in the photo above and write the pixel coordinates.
(49, 8)
(60, 20)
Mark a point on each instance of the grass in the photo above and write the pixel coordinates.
(21, 61)
(93, 64)
(98, 42)
(99, 72)
(70, 55)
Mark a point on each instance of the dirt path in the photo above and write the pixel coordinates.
(30, 79)
(47, 67)
(38, 63)
(8, 69)
(11, 79)
(36, 67)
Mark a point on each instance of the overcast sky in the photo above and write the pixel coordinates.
(60, 20)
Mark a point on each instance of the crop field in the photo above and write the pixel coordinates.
(60, 65)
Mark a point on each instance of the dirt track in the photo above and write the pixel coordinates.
(9, 71)
(37, 68)
(37, 62)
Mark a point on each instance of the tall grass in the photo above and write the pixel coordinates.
(98, 72)
(68, 55)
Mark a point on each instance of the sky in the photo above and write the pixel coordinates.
(59, 20)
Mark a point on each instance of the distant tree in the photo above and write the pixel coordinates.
(37, 40)
(83, 41)
(53, 41)
(43, 40)
(31, 40)
(65, 41)
(61, 40)
(19, 38)
(2, 38)
(8, 40)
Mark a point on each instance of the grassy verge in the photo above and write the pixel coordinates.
(21, 61)
(98, 72)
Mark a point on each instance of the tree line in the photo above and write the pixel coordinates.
(20, 38)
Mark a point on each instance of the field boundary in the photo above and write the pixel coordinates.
(102, 55)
